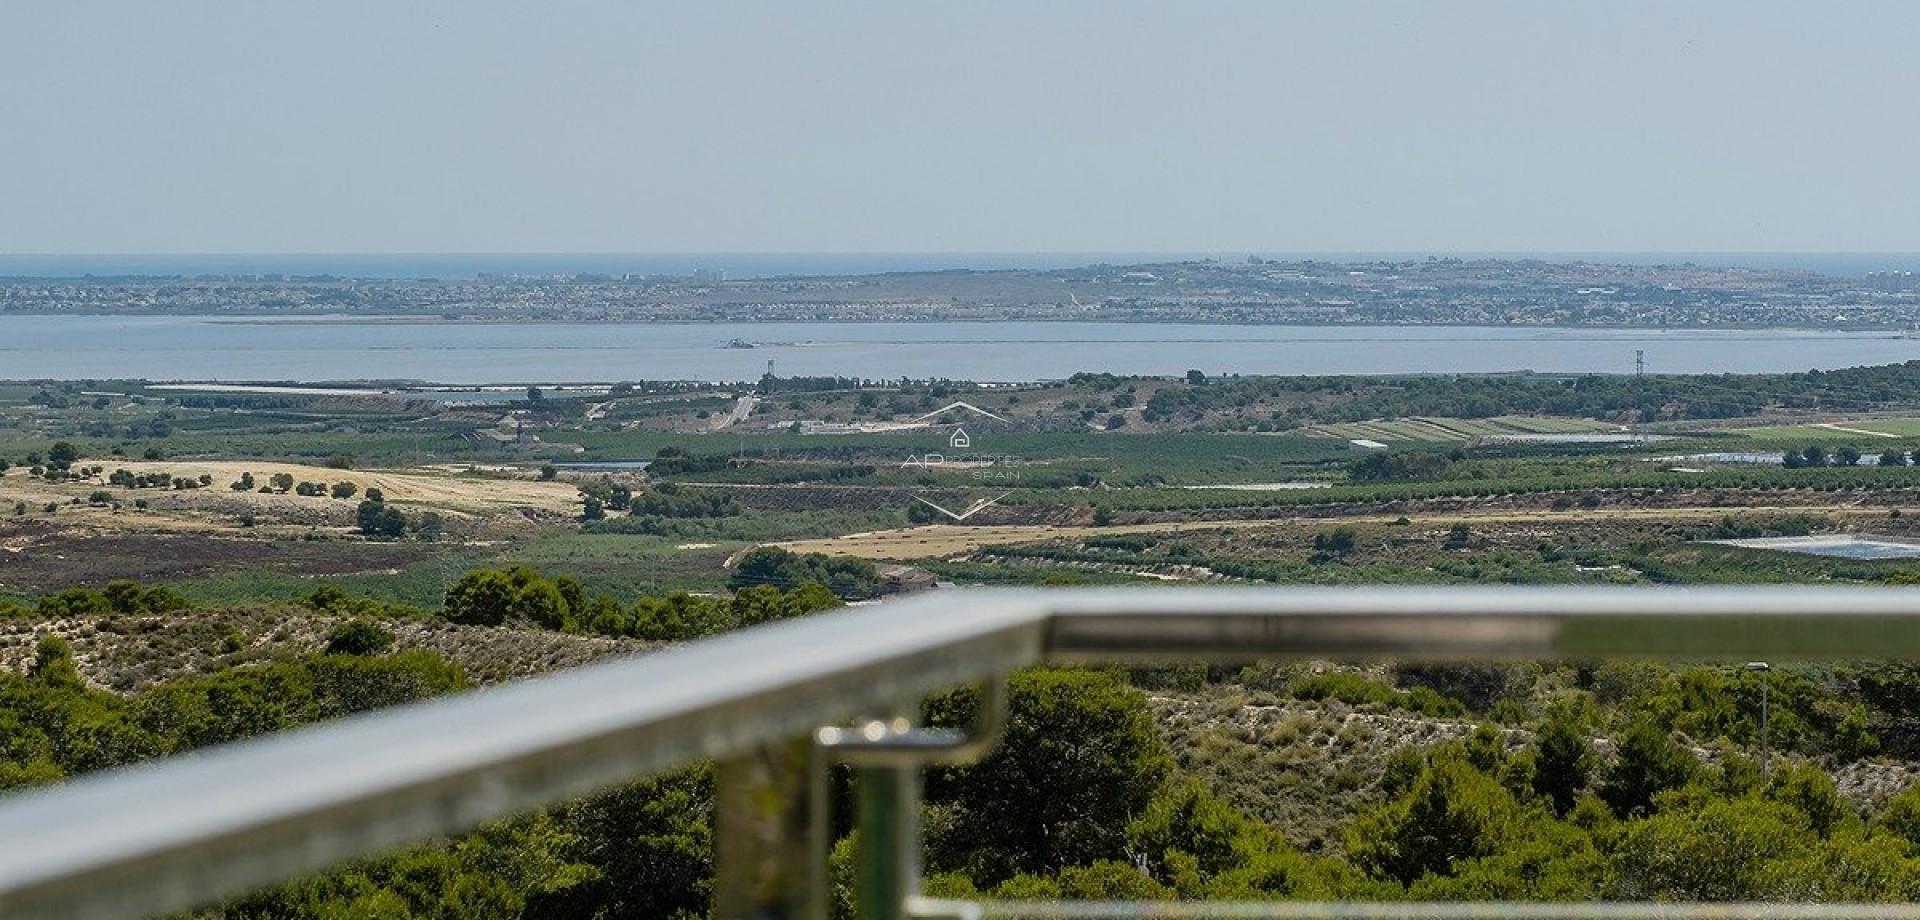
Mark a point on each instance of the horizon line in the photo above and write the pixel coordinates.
(936, 252)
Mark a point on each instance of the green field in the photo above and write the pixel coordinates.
(1175, 458)
(1859, 431)
(1441, 430)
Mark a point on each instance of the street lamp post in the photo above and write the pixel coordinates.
(1765, 759)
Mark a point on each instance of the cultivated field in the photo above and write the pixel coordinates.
(1858, 430)
(938, 541)
(1442, 430)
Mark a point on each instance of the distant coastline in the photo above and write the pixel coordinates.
(1253, 290)
(761, 265)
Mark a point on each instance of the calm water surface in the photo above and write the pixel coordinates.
(208, 348)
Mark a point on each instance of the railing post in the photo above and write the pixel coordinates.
(888, 756)
(762, 809)
(889, 843)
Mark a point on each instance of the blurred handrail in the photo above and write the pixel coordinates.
(186, 831)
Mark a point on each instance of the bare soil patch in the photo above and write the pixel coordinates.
(38, 556)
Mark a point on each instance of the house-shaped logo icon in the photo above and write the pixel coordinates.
(959, 439)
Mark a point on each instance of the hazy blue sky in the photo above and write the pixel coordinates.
(137, 126)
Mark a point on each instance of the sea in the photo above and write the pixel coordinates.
(347, 349)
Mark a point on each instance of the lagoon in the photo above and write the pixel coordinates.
(179, 347)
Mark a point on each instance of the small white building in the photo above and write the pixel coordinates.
(1365, 446)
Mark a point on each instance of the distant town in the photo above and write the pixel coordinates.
(1432, 291)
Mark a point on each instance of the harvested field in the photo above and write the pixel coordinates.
(496, 500)
(435, 487)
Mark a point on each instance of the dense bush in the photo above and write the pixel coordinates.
(846, 576)
(492, 597)
(1348, 687)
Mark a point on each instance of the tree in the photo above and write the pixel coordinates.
(280, 482)
(679, 616)
(1901, 815)
(377, 519)
(1196, 378)
(1846, 456)
(1453, 813)
(483, 597)
(765, 565)
(53, 666)
(1186, 823)
(124, 596)
(1397, 466)
(1811, 792)
(1080, 759)
(765, 603)
(846, 576)
(326, 597)
(428, 526)
(62, 455)
(1479, 686)
(591, 509)
(1336, 542)
(651, 846)
(1719, 851)
(344, 489)
(1893, 456)
(1563, 759)
(490, 597)
(359, 637)
(1648, 763)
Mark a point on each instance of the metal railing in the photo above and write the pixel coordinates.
(192, 830)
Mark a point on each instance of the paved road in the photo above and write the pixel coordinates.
(741, 410)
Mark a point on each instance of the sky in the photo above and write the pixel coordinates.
(128, 126)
